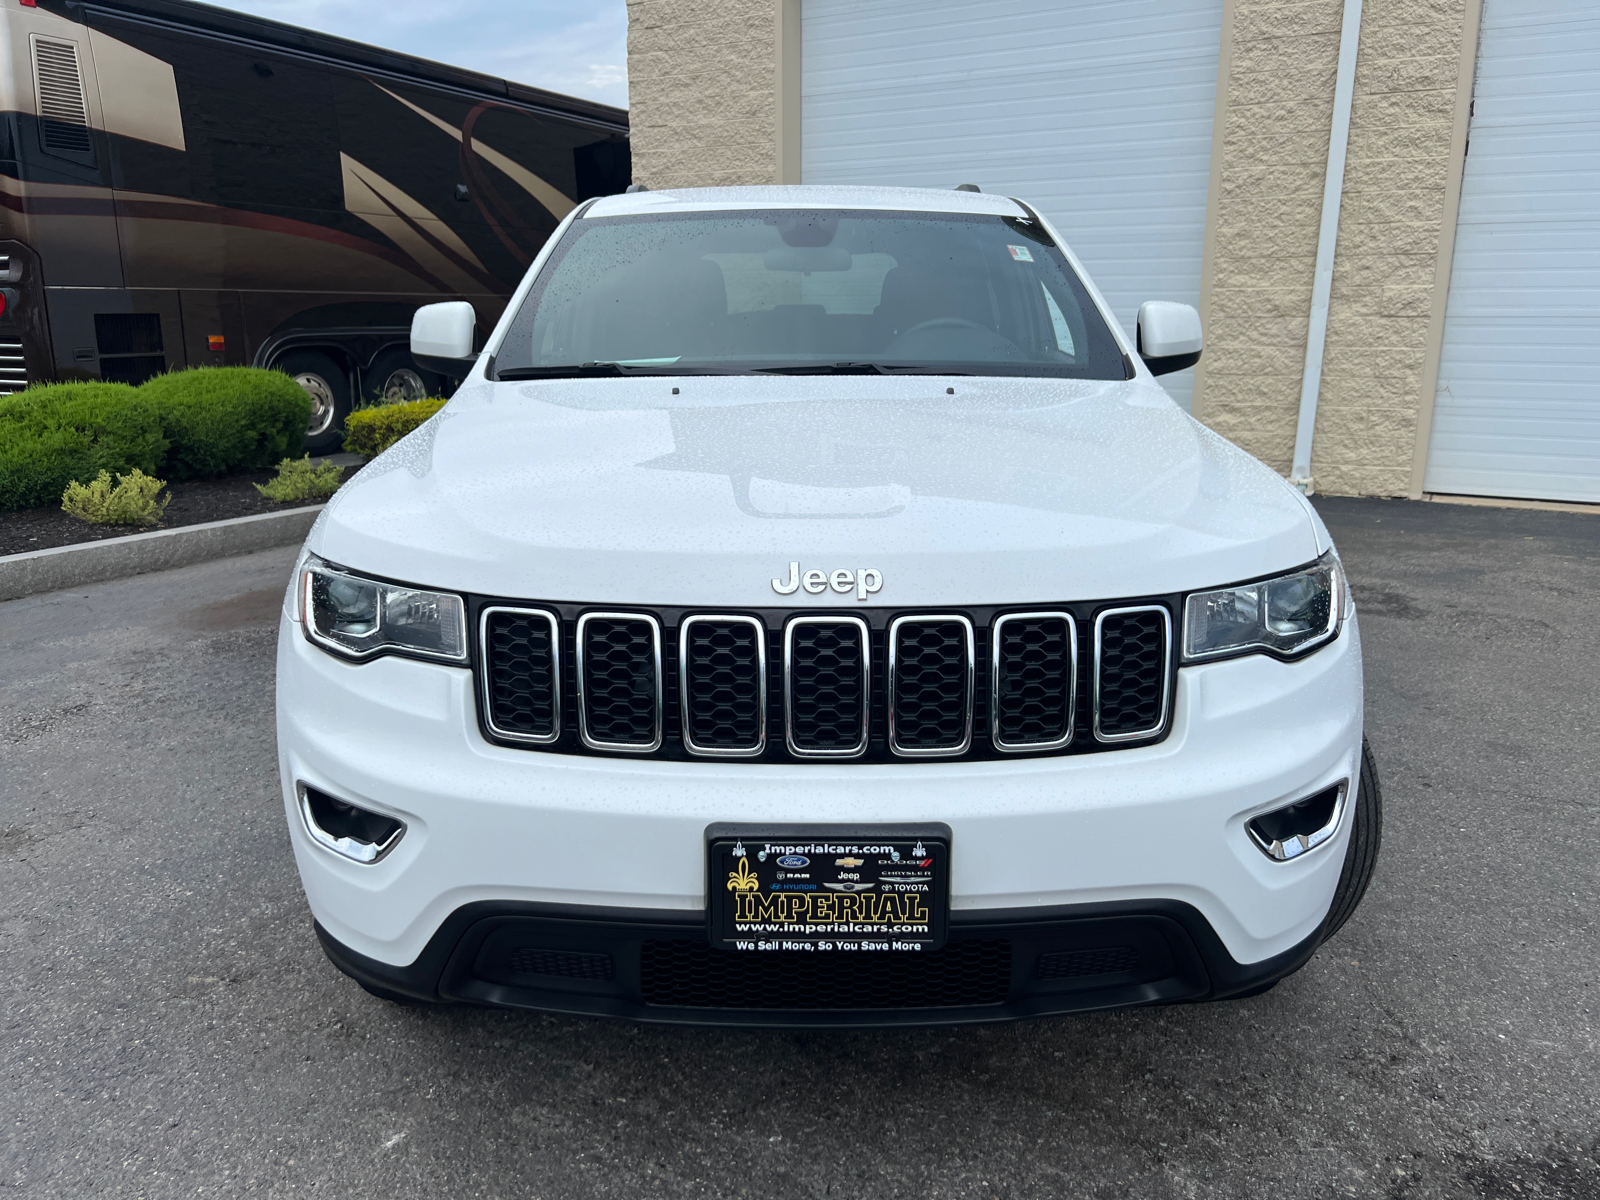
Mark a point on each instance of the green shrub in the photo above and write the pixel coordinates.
(132, 501)
(300, 479)
(222, 420)
(371, 431)
(55, 433)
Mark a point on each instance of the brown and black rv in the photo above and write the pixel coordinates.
(183, 186)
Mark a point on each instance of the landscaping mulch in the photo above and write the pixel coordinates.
(193, 503)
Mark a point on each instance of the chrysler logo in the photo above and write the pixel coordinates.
(864, 581)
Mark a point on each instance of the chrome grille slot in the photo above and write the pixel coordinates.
(930, 685)
(522, 673)
(827, 679)
(13, 366)
(619, 681)
(723, 686)
(1035, 681)
(1132, 650)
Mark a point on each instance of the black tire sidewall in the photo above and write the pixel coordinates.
(315, 362)
(385, 364)
(1361, 854)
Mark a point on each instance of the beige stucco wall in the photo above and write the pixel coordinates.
(701, 94)
(1279, 108)
(1273, 162)
(1394, 212)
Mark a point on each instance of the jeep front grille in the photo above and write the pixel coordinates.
(723, 689)
(619, 681)
(787, 685)
(827, 666)
(930, 686)
(1131, 649)
(522, 654)
(1035, 671)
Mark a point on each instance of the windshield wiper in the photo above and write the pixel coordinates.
(859, 368)
(592, 370)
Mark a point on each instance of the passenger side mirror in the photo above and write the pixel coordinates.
(441, 337)
(1168, 336)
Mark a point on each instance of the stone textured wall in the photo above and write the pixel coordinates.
(1279, 110)
(1390, 224)
(1269, 203)
(701, 92)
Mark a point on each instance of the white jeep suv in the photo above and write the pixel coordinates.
(811, 611)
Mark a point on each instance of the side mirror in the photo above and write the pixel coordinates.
(441, 337)
(1168, 336)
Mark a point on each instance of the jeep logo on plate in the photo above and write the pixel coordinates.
(864, 581)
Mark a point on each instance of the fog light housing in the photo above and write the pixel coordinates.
(346, 830)
(1288, 832)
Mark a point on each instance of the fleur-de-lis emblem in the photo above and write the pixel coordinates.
(744, 879)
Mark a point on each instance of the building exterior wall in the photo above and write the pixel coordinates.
(1392, 223)
(701, 89)
(1273, 148)
(708, 106)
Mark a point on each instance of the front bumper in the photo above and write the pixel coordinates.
(1036, 842)
(657, 968)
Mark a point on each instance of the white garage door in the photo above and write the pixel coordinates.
(1096, 111)
(1518, 407)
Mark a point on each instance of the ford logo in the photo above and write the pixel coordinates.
(793, 861)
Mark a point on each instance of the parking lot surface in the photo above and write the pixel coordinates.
(170, 1027)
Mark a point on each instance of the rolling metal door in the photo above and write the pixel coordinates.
(1517, 412)
(1097, 112)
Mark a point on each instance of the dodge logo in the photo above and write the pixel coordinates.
(864, 581)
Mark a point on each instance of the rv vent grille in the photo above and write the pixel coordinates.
(63, 115)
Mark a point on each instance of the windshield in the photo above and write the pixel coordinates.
(806, 291)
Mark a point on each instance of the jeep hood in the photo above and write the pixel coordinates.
(701, 490)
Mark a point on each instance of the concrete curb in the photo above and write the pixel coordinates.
(116, 558)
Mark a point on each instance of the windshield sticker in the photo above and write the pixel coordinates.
(1021, 253)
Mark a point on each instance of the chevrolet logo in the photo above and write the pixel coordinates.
(849, 862)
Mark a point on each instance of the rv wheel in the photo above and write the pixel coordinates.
(394, 378)
(329, 388)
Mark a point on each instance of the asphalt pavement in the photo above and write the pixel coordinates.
(169, 1026)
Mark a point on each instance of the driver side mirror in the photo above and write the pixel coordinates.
(441, 337)
(1168, 336)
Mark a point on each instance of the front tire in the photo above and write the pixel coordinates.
(1361, 855)
(326, 382)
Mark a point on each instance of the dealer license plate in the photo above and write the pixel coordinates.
(833, 891)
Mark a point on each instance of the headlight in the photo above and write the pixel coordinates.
(1285, 616)
(359, 618)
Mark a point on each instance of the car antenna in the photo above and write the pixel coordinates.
(637, 187)
(968, 187)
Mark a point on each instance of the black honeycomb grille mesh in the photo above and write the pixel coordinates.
(1074, 964)
(1033, 704)
(619, 681)
(827, 687)
(1133, 672)
(521, 674)
(564, 964)
(932, 685)
(687, 974)
(722, 671)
